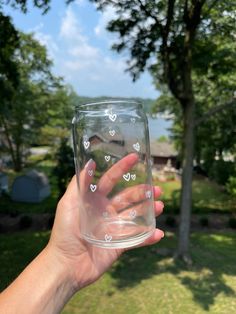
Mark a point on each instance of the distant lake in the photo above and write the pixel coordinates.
(159, 127)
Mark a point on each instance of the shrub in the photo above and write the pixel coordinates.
(204, 222)
(171, 221)
(232, 223)
(65, 168)
(25, 222)
(231, 186)
(50, 222)
(221, 170)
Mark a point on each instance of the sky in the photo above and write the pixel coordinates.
(80, 47)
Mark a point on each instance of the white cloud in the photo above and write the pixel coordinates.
(45, 40)
(70, 28)
(100, 29)
(91, 70)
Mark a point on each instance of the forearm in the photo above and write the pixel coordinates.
(43, 287)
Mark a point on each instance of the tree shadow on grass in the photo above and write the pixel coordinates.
(213, 255)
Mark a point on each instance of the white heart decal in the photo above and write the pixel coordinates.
(90, 173)
(148, 194)
(112, 132)
(86, 144)
(105, 214)
(107, 158)
(108, 237)
(132, 120)
(133, 176)
(126, 176)
(117, 199)
(112, 117)
(136, 147)
(93, 187)
(133, 213)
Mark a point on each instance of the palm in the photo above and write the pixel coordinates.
(89, 262)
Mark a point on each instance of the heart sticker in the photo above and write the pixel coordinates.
(148, 194)
(133, 120)
(133, 213)
(105, 214)
(90, 173)
(133, 176)
(112, 132)
(93, 187)
(126, 176)
(136, 147)
(112, 117)
(86, 144)
(117, 199)
(108, 237)
(107, 158)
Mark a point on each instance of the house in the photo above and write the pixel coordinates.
(163, 154)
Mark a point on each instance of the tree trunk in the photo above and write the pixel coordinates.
(186, 191)
(9, 142)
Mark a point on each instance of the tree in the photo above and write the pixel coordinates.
(9, 41)
(168, 37)
(27, 110)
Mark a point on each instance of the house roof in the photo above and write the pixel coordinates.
(162, 149)
(158, 149)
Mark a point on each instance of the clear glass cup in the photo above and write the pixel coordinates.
(113, 168)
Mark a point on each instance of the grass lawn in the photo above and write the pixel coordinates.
(207, 197)
(143, 280)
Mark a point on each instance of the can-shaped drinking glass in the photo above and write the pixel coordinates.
(113, 169)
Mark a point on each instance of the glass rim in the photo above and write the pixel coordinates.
(108, 102)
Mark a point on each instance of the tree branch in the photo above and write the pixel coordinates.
(148, 13)
(211, 7)
(213, 111)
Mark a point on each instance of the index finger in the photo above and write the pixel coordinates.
(113, 175)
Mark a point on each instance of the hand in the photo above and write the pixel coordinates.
(84, 262)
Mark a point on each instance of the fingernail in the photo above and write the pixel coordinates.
(158, 190)
(163, 234)
(161, 204)
(89, 163)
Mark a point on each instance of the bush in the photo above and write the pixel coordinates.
(25, 222)
(221, 170)
(232, 223)
(231, 186)
(65, 168)
(50, 222)
(171, 221)
(204, 222)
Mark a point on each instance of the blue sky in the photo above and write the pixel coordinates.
(79, 45)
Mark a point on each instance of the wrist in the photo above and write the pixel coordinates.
(62, 270)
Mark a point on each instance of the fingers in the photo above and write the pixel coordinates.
(154, 238)
(86, 176)
(135, 194)
(70, 198)
(159, 206)
(113, 175)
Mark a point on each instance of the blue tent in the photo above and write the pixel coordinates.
(33, 187)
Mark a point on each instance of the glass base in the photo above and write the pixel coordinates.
(123, 234)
